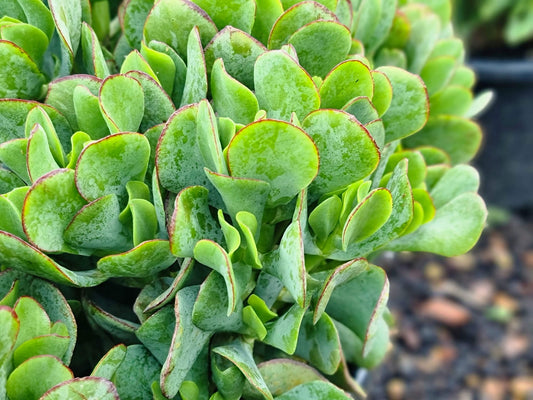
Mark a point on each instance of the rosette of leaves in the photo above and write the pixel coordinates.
(237, 173)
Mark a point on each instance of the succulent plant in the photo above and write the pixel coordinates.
(209, 193)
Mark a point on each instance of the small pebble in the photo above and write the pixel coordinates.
(446, 311)
(522, 388)
(493, 389)
(396, 389)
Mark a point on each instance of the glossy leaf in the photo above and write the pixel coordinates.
(382, 92)
(53, 345)
(13, 156)
(347, 80)
(276, 152)
(134, 61)
(237, 13)
(347, 151)
(282, 86)
(208, 138)
(83, 388)
(107, 165)
(156, 332)
(28, 37)
(110, 362)
(163, 66)
(282, 332)
(39, 116)
(269, 10)
(93, 55)
(67, 18)
(40, 160)
(314, 391)
(9, 328)
(324, 217)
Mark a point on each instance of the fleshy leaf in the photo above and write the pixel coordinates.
(237, 13)
(13, 156)
(170, 22)
(135, 14)
(156, 332)
(83, 388)
(110, 362)
(88, 113)
(67, 18)
(187, 343)
(239, 52)
(282, 86)
(195, 88)
(53, 345)
(409, 108)
(382, 92)
(208, 138)
(122, 116)
(39, 158)
(321, 45)
(241, 355)
(163, 66)
(315, 390)
(49, 207)
(147, 259)
(230, 97)
(455, 181)
(107, 165)
(39, 116)
(93, 55)
(347, 80)
(347, 151)
(191, 221)
(276, 152)
(325, 216)
(269, 10)
(282, 332)
(9, 329)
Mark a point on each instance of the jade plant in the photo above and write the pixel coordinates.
(193, 192)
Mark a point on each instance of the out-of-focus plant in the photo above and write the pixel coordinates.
(236, 165)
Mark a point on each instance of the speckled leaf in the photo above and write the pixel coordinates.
(136, 373)
(338, 276)
(32, 11)
(321, 45)
(109, 363)
(9, 329)
(315, 390)
(67, 18)
(249, 228)
(88, 114)
(107, 165)
(362, 109)
(208, 138)
(241, 355)
(11, 219)
(39, 116)
(51, 344)
(156, 332)
(241, 194)
(87, 388)
(239, 52)
(359, 303)
(61, 96)
(443, 235)
(147, 259)
(347, 151)
(347, 80)
(237, 13)
(325, 217)
(93, 56)
(170, 22)
(191, 221)
(134, 61)
(33, 319)
(318, 343)
(230, 97)
(39, 158)
(417, 166)
(157, 104)
(212, 255)
(13, 156)
(135, 14)
(195, 88)
(17, 387)
(457, 136)
(276, 152)
(282, 332)
(409, 109)
(19, 75)
(122, 114)
(163, 66)
(294, 18)
(49, 206)
(187, 343)
(269, 10)
(28, 37)
(282, 86)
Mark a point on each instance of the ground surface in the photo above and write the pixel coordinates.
(464, 325)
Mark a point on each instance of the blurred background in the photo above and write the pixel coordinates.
(465, 324)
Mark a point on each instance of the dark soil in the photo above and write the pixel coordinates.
(464, 325)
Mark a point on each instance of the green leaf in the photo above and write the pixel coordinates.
(83, 388)
(53, 345)
(315, 390)
(325, 216)
(13, 156)
(318, 343)
(39, 158)
(241, 355)
(39, 116)
(195, 88)
(362, 109)
(237, 13)
(187, 343)
(382, 92)
(9, 329)
(17, 387)
(518, 27)
(409, 108)
(170, 22)
(67, 18)
(269, 10)
(191, 221)
(88, 114)
(28, 37)
(417, 166)
(162, 64)
(135, 15)
(358, 303)
(50, 205)
(457, 136)
(321, 45)
(107, 165)
(156, 332)
(33, 12)
(19, 75)
(11, 218)
(437, 73)
(275, 152)
(347, 151)
(379, 31)
(424, 34)
(136, 62)
(282, 332)
(455, 181)
(110, 362)
(238, 50)
(33, 320)
(298, 92)
(453, 100)
(121, 117)
(208, 138)
(144, 260)
(230, 97)
(294, 18)
(347, 80)
(93, 55)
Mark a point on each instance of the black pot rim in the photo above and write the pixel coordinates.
(503, 71)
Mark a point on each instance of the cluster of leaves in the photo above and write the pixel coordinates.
(516, 16)
(235, 165)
